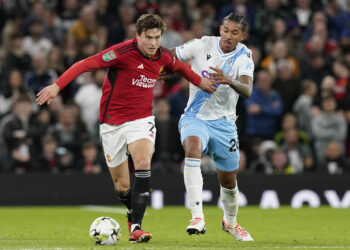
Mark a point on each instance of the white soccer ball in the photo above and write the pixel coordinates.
(105, 231)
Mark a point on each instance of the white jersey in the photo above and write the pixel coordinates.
(206, 52)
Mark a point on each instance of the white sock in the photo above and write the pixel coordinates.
(194, 185)
(133, 227)
(229, 198)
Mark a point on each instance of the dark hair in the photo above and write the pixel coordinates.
(149, 21)
(307, 83)
(237, 18)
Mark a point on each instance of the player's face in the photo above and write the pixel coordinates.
(148, 41)
(231, 33)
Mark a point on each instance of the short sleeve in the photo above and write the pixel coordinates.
(245, 65)
(188, 50)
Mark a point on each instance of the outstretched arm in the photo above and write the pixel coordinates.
(186, 72)
(50, 92)
(243, 86)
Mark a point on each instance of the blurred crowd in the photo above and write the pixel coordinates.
(296, 120)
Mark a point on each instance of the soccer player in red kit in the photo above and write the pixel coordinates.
(126, 121)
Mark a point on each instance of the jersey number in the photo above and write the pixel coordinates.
(152, 127)
(235, 145)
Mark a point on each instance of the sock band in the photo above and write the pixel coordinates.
(140, 195)
(143, 173)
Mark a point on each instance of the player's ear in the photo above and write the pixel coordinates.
(244, 35)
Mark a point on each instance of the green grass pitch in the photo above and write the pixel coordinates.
(67, 228)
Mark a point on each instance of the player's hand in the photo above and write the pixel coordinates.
(207, 85)
(165, 75)
(219, 76)
(47, 94)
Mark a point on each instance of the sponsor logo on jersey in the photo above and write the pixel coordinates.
(144, 82)
(205, 73)
(109, 56)
(140, 66)
(208, 57)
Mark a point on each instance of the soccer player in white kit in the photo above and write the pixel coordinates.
(208, 124)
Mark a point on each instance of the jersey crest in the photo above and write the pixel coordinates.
(109, 56)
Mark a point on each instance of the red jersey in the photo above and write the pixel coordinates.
(127, 92)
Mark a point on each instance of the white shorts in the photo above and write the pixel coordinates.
(115, 138)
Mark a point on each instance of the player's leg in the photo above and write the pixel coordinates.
(229, 199)
(141, 152)
(115, 148)
(121, 179)
(224, 148)
(193, 138)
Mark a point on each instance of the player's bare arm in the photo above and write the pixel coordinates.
(48, 94)
(205, 84)
(243, 86)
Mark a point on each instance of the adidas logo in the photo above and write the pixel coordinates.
(145, 193)
(140, 66)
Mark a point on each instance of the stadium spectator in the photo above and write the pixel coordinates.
(11, 91)
(266, 15)
(167, 156)
(299, 154)
(287, 85)
(20, 136)
(35, 43)
(91, 162)
(88, 98)
(335, 162)
(315, 67)
(263, 108)
(279, 52)
(16, 57)
(171, 38)
(263, 164)
(86, 26)
(178, 100)
(117, 31)
(328, 126)
(290, 122)
(341, 89)
(68, 136)
(303, 12)
(303, 105)
(40, 76)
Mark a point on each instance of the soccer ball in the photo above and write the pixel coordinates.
(105, 231)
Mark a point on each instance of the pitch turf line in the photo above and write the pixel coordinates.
(104, 209)
(201, 248)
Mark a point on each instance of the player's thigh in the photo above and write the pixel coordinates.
(190, 127)
(224, 145)
(114, 144)
(140, 136)
(120, 176)
(141, 152)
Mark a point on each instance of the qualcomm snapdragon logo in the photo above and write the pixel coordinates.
(144, 82)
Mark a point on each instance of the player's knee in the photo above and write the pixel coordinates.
(193, 151)
(122, 187)
(142, 164)
(229, 184)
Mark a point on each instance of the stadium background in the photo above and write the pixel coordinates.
(294, 143)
